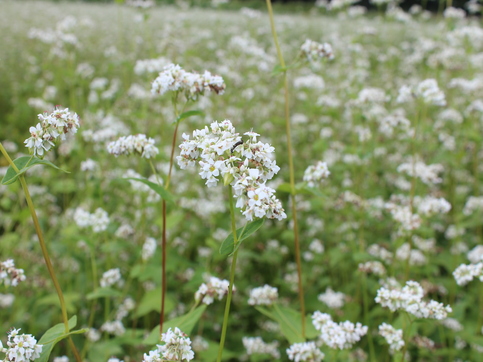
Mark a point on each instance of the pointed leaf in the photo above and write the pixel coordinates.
(23, 164)
(185, 322)
(160, 190)
(227, 246)
(189, 114)
(289, 321)
(151, 301)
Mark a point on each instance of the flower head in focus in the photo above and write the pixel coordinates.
(21, 347)
(177, 347)
(52, 127)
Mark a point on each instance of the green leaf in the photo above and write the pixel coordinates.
(315, 192)
(23, 164)
(54, 335)
(102, 351)
(227, 246)
(278, 69)
(103, 293)
(185, 323)
(151, 301)
(289, 321)
(53, 299)
(189, 114)
(160, 190)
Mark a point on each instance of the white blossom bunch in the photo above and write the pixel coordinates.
(427, 91)
(177, 347)
(466, 272)
(115, 328)
(475, 255)
(332, 299)
(314, 174)
(428, 174)
(9, 275)
(394, 337)
(454, 13)
(372, 267)
(150, 65)
(256, 345)
(315, 51)
(430, 205)
(21, 347)
(126, 306)
(341, 335)
(131, 144)
(409, 299)
(52, 127)
(245, 165)
(149, 247)
(265, 295)
(110, 278)
(474, 203)
(215, 288)
(305, 352)
(176, 79)
(6, 300)
(99, 220)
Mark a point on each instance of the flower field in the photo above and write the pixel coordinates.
(210, 184)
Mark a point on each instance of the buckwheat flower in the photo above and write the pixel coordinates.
(110, 278)
(88, 165)
(305, 352)
(474, 203)
(61, 359)
(133, 144)
(429, 205)
(265, 295)
(115, 328)
(199, 344)
(394, 337)
(452, 324)
(427, 91)
(372, 267)
(334, 300)
(256, 345)
(177, 347)
(337, 335)
(466, 272)
(51, 128)
(9, 275)
(215, 288)
(99, 220)
(315, 51)
(150, 65)
(6, 300)
(149, 247)
(427, 173)
(126, 306)
(475, 255)
(315, 174)
(21, 347)
(93, 335)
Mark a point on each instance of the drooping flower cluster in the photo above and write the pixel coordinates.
(466, 272)
(131, 144)
(9, 275)
(99, 220)
(176, 79)
(315, 51)
(394, 337)
(256, 345)
(21, 347)
(409, 299)
(51, 127)
(246, 165)
(177, 347)
(215, 288)
(110, 278)
(265, 295)
(427, 91)
(341, 335)
(305, 352)
(314, 174)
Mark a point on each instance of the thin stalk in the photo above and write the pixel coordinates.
(232, 276)
(291, 168)
(365, 297)
(45, 252)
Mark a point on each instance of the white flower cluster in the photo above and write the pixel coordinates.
(394, 337)
(177, 347)
(341, 335)
(206, 293)
(115, 328)
(111, 277)
(246, 165)
(131, 144)
(51, 127)
(305, 352)
(427, 173)
(256, 345)
(427, 90)
(123, 310)
(9, 275)
(334, 300)
(474, 203)
(150, 65)
(315, 51)
(176, 79)
(372, 267)
(430, 205)
(409, 298)
(466, 272)
(149, 248)
(314, 174)
(99, 220)
(21, 347)
(265, 295)
(6, 300)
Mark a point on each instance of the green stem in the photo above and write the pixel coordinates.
(291, 169)
(365, 297)
(232, 276)
(43, 247)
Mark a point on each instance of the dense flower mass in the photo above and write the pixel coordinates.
(9, 275)
(137, 144)
(21, 347)
(99, 220)
(341, 335)
(427, 91)
(52, 127)
(265, 295)
(394, 337)
(176, 79)
(314, 174)
(215, 288)
(256, 345)
(246, 165)
(305, 352)
(314, 51)
(176, 347)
